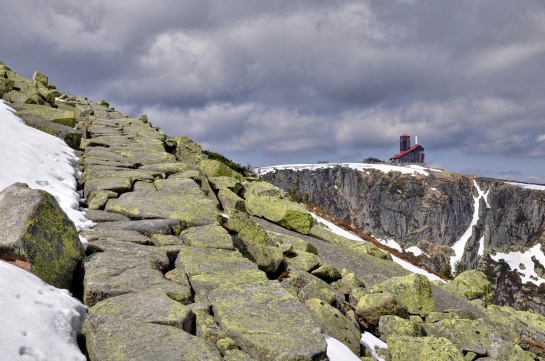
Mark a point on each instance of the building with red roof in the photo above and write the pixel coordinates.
(408, 154)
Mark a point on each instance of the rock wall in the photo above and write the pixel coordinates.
(433, 211)
(190, 260)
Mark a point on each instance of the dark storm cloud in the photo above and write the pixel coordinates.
(300, 77)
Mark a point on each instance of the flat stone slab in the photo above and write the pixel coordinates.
(114, 184)
(191, 209)
(96, 234)
(201, 260)
(113, 339)
(151, 306)
(211, 236)
(113, 273)
(268, 323)
(204, 283)
(147, 227)
(96, 215)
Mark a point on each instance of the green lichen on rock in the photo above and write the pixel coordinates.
(391, 325)
(112, 339)
(327, 273)
(248, 229)
(214, 168)
(190, 208)
(267, 258)
(372, 306)
(229, 200)
(262, 189)
(231, 183)
(268, 323)
(36, 230)
(187, 151)
(335, 324)
(472, 285)
(412, 291)
(291, 243)
(64, 117)
(281, 211)
(211, 236)
(404, 348)
(304, 261)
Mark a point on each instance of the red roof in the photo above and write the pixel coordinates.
(401, 154)
(405, 135)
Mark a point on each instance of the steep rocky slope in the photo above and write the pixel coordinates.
(433, 210)
(190, 260)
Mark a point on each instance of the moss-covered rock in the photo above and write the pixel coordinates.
(29, 111)
(281, 211)
(214, 168)
(472, 285)
(412, 291)
(117, 185)
(111, 339)
(293, 244)
(268, 323)
(37, 233)
(372, 306)
(93, 235)
(136, 306)
(262, 189)
(248, 229)
(391, 325)
(405, 348)
(123, 268)
(327, 273)
(318, 289)
(231, 183)
(348, 282)
(304, 261)
(189, 208)
(335, 324)
(229, 200)
(211, 236)
(187, 151)
(267, 258)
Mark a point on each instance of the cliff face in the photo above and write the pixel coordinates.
(431, 211)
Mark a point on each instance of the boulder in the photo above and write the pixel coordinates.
(304, 261)
(371, 250)
(472, 285)
(229, 201)
(327, 273)
(403, 348)
(391, 325)
(38, 235)
(281, 211)
(267, 258)
(136, 306)
(268, 323)
(412, 292)
(231, 183)
(39, 112)
(317, 289)
(214, 168)
(189, 208)
(372, 306)
(112, 339)
(248, 229)
(187, 151)
(211, 236)
(335, 324)
(348, 282)
(120, 268)
(293, 244)
(41, 78)
(146, 227)
(262, 189)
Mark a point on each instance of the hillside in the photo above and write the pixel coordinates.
(190, 260)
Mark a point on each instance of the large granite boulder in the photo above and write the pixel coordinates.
(38, 235)
(190, 208)
(281, 211)
(412, 291)
(215, 168)
(116, 339)
(268, 323)
(404, 348)
(472, 285)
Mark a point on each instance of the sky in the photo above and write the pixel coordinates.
(287, 81)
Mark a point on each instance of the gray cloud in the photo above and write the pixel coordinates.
(296, 79)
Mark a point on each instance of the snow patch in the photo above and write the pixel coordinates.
(460, 244)
(336, 229)
(391, 243)
(338, 351)
(539, 187)
(417, 251)
(527, 271)
(40, 160)
(409, 169)
(39, 322)
(372, 343)
(415, 269)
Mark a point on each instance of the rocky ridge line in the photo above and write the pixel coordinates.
(167, 275)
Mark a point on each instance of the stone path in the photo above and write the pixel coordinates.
(162, 277)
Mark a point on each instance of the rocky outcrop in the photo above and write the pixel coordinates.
(175, 269)
(433, 211)
(38, 236)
